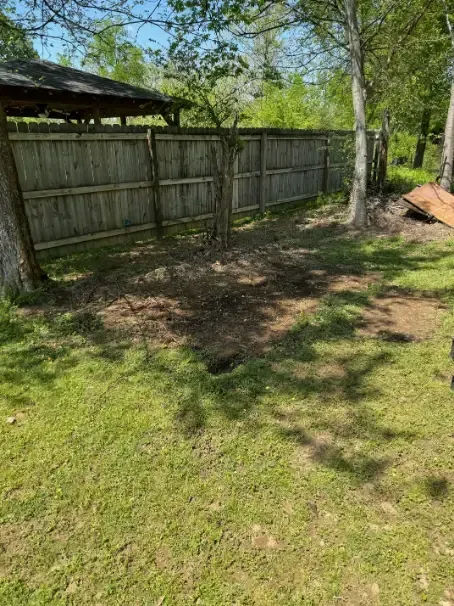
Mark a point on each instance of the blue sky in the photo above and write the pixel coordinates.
(145, 35)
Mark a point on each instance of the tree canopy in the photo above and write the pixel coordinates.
(14, 42)
(312, 64)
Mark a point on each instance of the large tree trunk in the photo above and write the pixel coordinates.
(19, 269)
(422, 139)
(358, 211)
(383, 144)
(224, 162)
(448, 146)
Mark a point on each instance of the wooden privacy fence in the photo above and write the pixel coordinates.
(87, 186)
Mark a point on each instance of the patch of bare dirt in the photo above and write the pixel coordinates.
(163, 559)
(356, 594)
(389, 216)
(14, 545)
(232, 305)
(227, 319)
(265, 542)
(342, 283)
(402, 318)
(448, 597)
(261, 540)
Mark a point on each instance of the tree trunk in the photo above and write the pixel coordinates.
(422, 139)
(224, 162)
(358, 211)
(383, 151)
(448, 142)
(448, 146)
(19, 269)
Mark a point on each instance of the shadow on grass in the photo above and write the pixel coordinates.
(256, 393)
(252, 393)
(231, 304)
(436, 488)
(209, 306)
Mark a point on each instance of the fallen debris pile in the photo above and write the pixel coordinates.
(391, 214)
(432, 201)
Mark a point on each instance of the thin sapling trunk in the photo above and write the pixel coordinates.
(224, 158)
(422, 139)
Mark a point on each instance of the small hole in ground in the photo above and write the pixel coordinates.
(415, 216)
(224, 364)
(396, 337)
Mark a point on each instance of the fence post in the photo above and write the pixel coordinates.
(236, 183)
(383, 151)
(326, 169)
(153, 150)
(263, 146)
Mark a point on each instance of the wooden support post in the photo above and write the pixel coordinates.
(153, 151)
(123, 120)
(177, 118)
(96, 115)
(326, 169)
(375, 160)
(235, 184)
(263, 148)
(383, 152)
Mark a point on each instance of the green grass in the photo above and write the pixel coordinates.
(321, 473)
(404, 179)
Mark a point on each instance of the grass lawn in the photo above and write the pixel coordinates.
(317, 469)
(404, 178)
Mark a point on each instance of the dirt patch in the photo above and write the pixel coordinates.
(402, 318)
(355, 594)
(389, 216)
(261, 540)
(344, 283)
(14, 545)
(163, 559)
(265, 542)
(229, 306)
(231, 321)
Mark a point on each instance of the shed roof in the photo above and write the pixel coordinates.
(24, 83)
(34, 73)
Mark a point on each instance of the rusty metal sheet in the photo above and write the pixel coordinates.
(433, 200)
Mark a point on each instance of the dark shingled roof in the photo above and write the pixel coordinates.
(34, 74)
(29, 88)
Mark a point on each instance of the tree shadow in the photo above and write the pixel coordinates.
(436, 488)
(250, 323)
(234, 305)
(243, 395)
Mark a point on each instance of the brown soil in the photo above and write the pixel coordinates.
(402, 318)
(231, 305)
(389, 215)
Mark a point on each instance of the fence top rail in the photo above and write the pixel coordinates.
(117, 136)
(45, 127)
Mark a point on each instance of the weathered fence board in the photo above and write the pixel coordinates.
(86, 186)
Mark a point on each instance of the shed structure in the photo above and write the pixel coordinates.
(35, 88)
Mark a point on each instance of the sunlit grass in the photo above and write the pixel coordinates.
(321, 473)
(403, 178)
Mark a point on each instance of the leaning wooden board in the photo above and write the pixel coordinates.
(433, 200)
